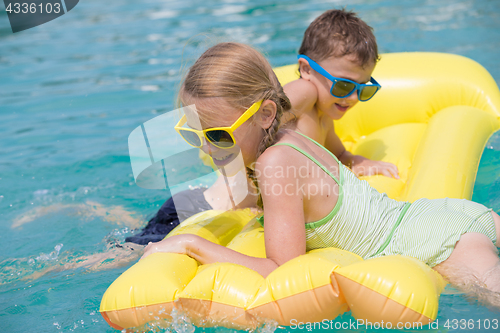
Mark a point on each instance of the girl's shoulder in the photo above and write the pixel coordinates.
(284, 152)
(295, 150)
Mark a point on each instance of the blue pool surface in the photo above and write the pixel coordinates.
(72, 90)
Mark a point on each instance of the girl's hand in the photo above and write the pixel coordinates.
(174, 244)
(366, 167)
(206, 252)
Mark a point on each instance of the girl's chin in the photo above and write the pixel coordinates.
(234, 159)
(224, 160)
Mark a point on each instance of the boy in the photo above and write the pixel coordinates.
(336, 46)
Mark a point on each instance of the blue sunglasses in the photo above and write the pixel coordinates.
(342, 88)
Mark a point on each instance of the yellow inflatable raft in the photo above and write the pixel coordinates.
(432, 119)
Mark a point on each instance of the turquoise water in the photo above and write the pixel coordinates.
(73, 89)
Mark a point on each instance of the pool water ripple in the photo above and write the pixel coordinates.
(72, 90)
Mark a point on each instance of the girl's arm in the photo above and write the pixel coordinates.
(282, 188)
(206, 252)
(284, 228)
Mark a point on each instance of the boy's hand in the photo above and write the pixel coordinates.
(362, 166)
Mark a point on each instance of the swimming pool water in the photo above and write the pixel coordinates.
(73, 89)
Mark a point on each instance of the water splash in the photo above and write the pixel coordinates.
(51, 256)
(17, 268)
(114, 254)
(181, 323)
(116, 237)
(269, 326)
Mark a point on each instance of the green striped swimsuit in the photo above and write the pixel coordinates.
(371, 224)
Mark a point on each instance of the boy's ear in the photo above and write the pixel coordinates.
(267, 112)
(304, 69)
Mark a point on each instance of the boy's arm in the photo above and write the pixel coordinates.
(333, 144)
(361, 166)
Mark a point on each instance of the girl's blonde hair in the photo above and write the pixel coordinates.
(241, 76)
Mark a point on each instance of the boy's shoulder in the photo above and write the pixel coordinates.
(303, 95)
(302, 87)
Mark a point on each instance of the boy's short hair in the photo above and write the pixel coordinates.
(337, 33)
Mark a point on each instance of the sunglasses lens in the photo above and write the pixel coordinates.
(342, 88)
(191, 138)
(220, 138)
(367, 92)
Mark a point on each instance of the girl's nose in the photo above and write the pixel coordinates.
(207, 147)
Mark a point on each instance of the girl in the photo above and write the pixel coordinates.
(311, 200)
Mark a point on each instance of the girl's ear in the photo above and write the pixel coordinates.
(304, 69)
(267, 113)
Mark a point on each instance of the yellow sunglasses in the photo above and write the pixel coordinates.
(220, 137)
